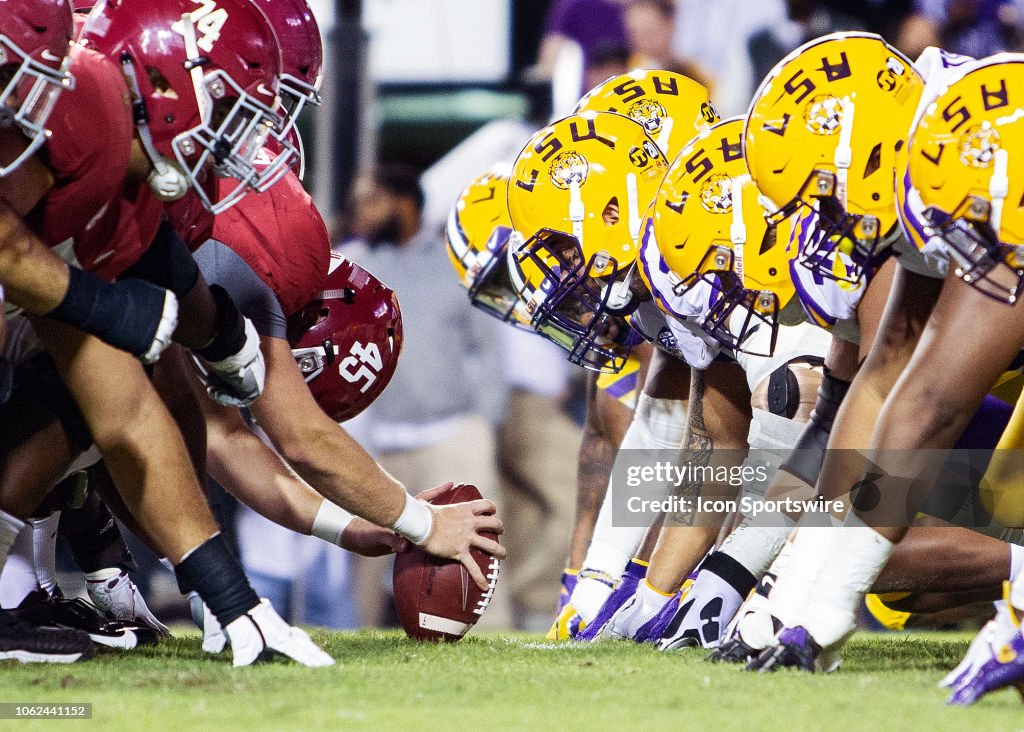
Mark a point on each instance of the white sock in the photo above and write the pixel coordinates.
(9, 528)
(19, 576)
(1017, 583)
(44, 550)
(795, 584)
(855, 559)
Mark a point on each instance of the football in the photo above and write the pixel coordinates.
(436, 598)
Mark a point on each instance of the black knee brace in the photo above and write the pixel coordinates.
(808, 454)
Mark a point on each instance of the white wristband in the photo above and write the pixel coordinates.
(415, 522)
(330, 522)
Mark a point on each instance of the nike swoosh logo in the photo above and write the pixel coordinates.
(48, 55)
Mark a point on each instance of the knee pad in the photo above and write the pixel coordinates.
(658, 424)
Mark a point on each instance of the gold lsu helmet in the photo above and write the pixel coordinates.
(710, 225)
(960, 155)
(477, 239)
(823, 131)
(579, 191)
(671, 107)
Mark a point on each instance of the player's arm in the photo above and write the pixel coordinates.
(254, 474)
(719, 419)
(342, 471)
(606, 422)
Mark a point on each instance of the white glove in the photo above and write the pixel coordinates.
(636, 612)
(262, 629)
(117, 597)
(238, 380)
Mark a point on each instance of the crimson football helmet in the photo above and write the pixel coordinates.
(302, 57)
(346, 342)
(205, 77)
(35, 36)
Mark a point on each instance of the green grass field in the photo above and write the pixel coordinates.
(384, 681)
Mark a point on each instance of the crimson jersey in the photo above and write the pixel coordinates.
(123, 233)
(87, 152)
(190, 219)
(281, 235)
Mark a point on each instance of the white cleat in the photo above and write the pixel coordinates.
(114, 593)
(993, 636)
(261, 630)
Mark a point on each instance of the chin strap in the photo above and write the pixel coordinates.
(738, 228)
(167, 180)
(577, 211)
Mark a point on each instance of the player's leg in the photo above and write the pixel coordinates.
(657, 427)
(719, 421)
(148, 461)
(930, 404)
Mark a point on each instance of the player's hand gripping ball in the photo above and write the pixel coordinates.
(436, 598)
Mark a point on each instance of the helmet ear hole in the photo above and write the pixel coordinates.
(611, 211)
(874, 160)
(161, 86)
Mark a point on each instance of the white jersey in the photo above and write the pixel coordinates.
(681, 334)
(677, 328)
(826, 301)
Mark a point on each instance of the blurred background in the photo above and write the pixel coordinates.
(422, 96)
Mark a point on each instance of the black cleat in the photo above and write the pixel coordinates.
(22, 642)
(796, 649)
(41, 609)
(733, 650)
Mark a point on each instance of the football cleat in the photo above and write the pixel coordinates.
(795, 648)
(1005, 668)
(238, 380)
(261, 632)
(734, 650)
(568, 585)
(636, 570)
(42, 610)
(635, 618)
(592, 589)
(25, 643)
(703, 614)
(995, 634)
(114, 593)
(752, 629)
(566, 625)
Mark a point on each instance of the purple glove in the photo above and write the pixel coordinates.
(635, 571)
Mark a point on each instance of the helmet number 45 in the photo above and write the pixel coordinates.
(363, 362)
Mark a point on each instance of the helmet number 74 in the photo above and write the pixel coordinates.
(363, 362)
